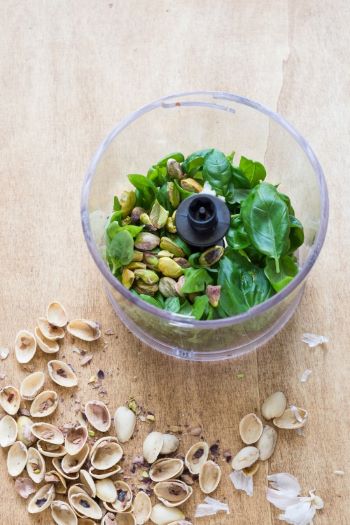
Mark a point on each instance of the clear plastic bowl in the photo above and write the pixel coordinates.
(188, 122)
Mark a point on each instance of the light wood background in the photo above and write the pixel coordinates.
(69, 71)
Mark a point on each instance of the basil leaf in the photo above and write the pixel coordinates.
(196, 280)
(116, 204)
(177, 156)
(151, 300)
(163, 198)
(252, 170)
(287, 201)
(236, 236)
(186, 308)
(145, 190)
(288, 270)
(296, 235)
(181, 243)
(239, 179)
(266, 220)
(195, 161)
(113, 228)
(121, 247)
(255, 287)
(217, 170)
(157, 174)
(172, 304)
(200, 304)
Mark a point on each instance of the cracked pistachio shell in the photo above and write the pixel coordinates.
(32, 385)
(213, 292)
(75, 440)
(167, 287)
(48, 432)
(142, 508)
(124, 496)
(267, 443)
(124, 422)
(8, 431)
(44, 404)
(169, 268)
(165, 469)
(50, 331)
(250, 429)
(172, 493)
(106, 453)
(162, 515)
(173, 194)
(170, 444)
(209, 477)
(158, 215)
(128, 278)
(292, 418)
(17, 459)
(274, 405)
(55, 477)
(25, 434)
(63, 514)
(72, 464)
(191, 185)
(62, 374)
(127, 202)
(56, 314)
(25, 346)
(126, 518)
(171, 246)
(84, 329)
(48, 346)
(10, 399)
(86, 506)
(36, 466)
(146, 276)
(146, 241)
(51, 450)
(56, 462)
(105, 490)
(174, 169)
(246, 457)
(152, 446)
(102, 474)
(42, 499)
(88, 483)
(197, 456)
(98, 415)
(211, 256)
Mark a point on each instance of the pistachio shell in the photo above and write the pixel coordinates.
(169, 267)
(62, 374)
(88, 483)
(84, 329)
(51, 450)
(162, 515)
(24, 487)
(246, 457)
(174, 169)
(171, 246)
(209, 477)
(158, 215)
(25, 346)
(17, 458)
(56, 462)
(142, 508)
(197, 456)
(292, 418)
(32, 385)
(267, 442)
(48, 346)
(86, 506)
(124, 496)
(10, 399)
(166, 468)
(105, 490)
(191, 185)
(124, 421)
(250, 429)
(274, 405)
(172, 493)
(103, 474)
(49, 330)
(8, 431)
(71, 464)
(25, 434)
(106, 453)
(63, 514)
(98, 415)
(170, 444)
(56, 314)
(42, 499)
(211, 256)
(126, 518)
(47, 432)
(36, 467)
(55, 477)
(44, 404)
(146, 241)
(152, 446)
(86, 521)
(75, 440)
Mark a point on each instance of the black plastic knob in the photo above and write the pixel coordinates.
(202, 220)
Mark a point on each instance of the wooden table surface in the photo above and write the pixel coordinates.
(69, 71)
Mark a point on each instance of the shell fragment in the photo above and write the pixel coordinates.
(197, 456)
(62, 374)
(209, 477)
(274, 405)
(25, 346)
(246, 457)
(44, 404)
(98, 415)
(32, 385)
(84, 329)
(56, 314)
(124, 421)
(8, 431)
(250, 429)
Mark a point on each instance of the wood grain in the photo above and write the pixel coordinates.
(69, 71)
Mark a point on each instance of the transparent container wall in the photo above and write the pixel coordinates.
(228, 126)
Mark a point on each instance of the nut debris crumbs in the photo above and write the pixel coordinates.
(101, 375)
(339, 472)
(210, 507)
(305, 375)
(313, 340)
(109, 331)
(4, 352)
(240, 376)
(86, 359)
